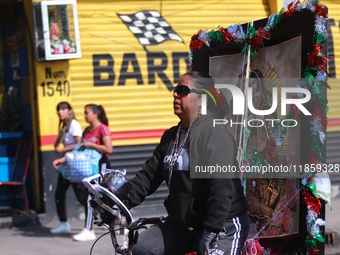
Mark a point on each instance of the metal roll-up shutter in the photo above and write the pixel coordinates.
(132, 159)
(333, 154)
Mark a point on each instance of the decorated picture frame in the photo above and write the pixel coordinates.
(56, 30)
(288, 48)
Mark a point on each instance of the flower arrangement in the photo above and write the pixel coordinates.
(62, 46)
(314, 79)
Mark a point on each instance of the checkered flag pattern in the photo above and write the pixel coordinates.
(149, 27)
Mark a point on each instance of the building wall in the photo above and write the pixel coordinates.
(131, 80)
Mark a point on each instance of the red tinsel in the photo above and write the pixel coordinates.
(195, 43)
(271, 156)
(317, 59)
(321, 10)
(291, 10)
(318, 49)
(227, 37)
(263, 33)
(314, 251)
(191, 253)
(256, 41)
(312, 202)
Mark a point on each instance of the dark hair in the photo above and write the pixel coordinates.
(99, 110)
(217, 104)
(266, 95)
(65, 105)
(257, 74)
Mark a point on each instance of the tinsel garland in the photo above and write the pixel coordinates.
(314, 79)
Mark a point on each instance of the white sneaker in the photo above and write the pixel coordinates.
(63, 227)
(85, 235)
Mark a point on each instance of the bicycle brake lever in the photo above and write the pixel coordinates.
(141, 222)
(137, 224)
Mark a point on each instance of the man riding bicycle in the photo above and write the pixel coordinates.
(209, 215)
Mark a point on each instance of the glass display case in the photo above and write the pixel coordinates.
(56, 30)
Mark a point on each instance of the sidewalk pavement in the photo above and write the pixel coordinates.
(31, 236)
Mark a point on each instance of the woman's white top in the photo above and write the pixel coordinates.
(74, 130)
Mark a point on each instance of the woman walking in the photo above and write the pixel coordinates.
(70, 133)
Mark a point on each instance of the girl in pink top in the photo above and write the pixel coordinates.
(96, 136)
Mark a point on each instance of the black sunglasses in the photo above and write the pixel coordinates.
(185, 90)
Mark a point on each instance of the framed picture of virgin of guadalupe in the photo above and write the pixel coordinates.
(261, 68)
(272, 189)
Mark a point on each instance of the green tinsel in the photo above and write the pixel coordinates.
(316, 91)
(247, 48)
(309, 77)
(312, 69)
(251, 32)
(312, 188)
(311, 242)
(324, 104)
(316, 147)
(215, 36)
(319, 237)
(278, 18)
(253, 52)
(325, 107)
(319, 38)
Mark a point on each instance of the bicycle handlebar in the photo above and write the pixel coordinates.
(98, 192)
(141, 222)
(113, 211)
(153, 220)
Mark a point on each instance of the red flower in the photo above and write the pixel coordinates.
(314, 251)
(321, 10)
(256, 41)
(316, 58)
(291, 10)
(263, 33)
(227, 37)
(312, 202)
(191, 253)
(249, 41)
(195, 43)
